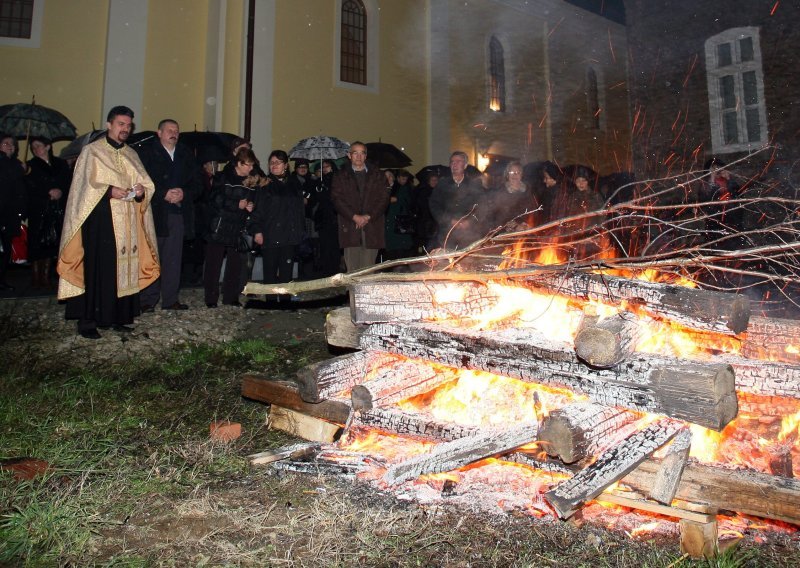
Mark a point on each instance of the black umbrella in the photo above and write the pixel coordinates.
(73, 149)
(23, 120)
(209, 146)
(387, 155)
(206, 146)
(444, 171)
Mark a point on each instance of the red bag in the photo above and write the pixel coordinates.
(19, 246)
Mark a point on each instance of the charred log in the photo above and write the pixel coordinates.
(412, 425)
(609, 341)
(698, 393)
(612, 465)
(698, 309)
(328, 378)
(669, 475)
(770, 338)
(577, 431)
(458, 453)
(393, 383)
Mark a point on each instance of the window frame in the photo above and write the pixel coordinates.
(372, 15)
(496, 75)
(35, 40)
(737, 69)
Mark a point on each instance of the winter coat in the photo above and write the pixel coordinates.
(42, 211)
(227, 219)
(501, 206)
(348, 202)
(399, 204)
(279, 212)
(12, 195)
(454, 207)
(167, 173)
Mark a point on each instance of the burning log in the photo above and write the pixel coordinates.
(578, 430)
(702, 394)
(764, 377)
(612, 465)
(669, 475)
(458, 453)
(705, 310)
(609, 341)
(413, 425)
(285, 394)
(325, 379)
(418, 300)
(397, 382)
(770, 337)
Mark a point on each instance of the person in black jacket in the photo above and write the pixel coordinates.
(278, 220)
(326, 222)
(12, 202)
(47, 182)
(231, 203)
(176, 176)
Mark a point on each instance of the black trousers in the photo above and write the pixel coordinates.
(232, 281)
(278, 263)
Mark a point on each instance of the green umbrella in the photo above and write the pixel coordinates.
(23, 120)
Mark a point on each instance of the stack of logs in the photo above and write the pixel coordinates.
(394, 324)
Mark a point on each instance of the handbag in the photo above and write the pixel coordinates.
(405, 224)
(50, 224)
(244, 243)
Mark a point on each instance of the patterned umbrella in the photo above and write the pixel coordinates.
(24, 120)
(319, 148)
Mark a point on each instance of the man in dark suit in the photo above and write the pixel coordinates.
(360, 197)
(176, 176)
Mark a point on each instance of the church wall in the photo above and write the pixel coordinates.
(306, 99)
(174, 75)
(66, 71)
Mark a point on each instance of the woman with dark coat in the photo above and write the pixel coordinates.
(326, 222)
(400, 236)
(230, 205)
(47, 182)
(278, 220)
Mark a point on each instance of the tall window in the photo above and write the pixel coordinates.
(736, 90)
(353, 60)
(16, 18)
(497, 76)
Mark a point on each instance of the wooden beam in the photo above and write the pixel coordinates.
(669, 474)
(286, 394)
(302, 425)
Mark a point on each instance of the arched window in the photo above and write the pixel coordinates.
(593, 98)
(353, 56)
(497, 76)
(735, 82)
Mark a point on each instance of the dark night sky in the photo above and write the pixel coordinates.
(612, 9)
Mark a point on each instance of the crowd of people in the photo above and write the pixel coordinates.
(129, 227)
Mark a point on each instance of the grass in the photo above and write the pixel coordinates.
(136, 481)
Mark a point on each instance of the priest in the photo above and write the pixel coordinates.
(108, 249)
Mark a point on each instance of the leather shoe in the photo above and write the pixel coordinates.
(147, 308)
(236, 304)
(176, 306)
(122, 328)
(90, 333)
(210, 305)
(6, 286)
